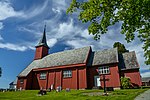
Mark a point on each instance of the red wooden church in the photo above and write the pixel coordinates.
(78, 68)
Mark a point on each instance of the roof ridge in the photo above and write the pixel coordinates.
(67, 50)
(105, 50)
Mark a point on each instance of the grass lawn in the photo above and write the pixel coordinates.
(127, 94)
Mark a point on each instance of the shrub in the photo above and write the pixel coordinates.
(125, 82)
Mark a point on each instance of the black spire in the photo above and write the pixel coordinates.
(43, 39)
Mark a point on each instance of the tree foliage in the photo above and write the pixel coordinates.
(134, 16)
(125, 82)
(0, 71)
(121, 47)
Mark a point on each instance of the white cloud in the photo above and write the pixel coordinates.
(26, 29)
(51, 42)
(1, 37)
(56, 10)
(35, 10)
(77, 43)
(59, 5)
(76, 36)
(1, 25)
(14, 47)
(146, 74)
(66, 30)
(6, 11)
(85, 34)
(30, 30)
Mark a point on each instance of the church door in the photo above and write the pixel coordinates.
(97, 81)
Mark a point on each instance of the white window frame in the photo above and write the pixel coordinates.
(103, 70)
(43, 75)
(67, 73)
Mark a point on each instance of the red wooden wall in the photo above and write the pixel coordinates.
(134, 76)
(113, 77)
(41, 52)
(21, 85)
(82, 78)
(55, 77)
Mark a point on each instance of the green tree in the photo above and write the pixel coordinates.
(121, 47)
(134, 16)
(0, 71)
(125, 82)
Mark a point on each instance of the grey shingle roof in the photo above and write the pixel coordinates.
(68, 57)
(27, 70)
(128, 60)
(105, 57)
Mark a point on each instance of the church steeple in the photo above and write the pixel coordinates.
(42, 47)
(43, 41)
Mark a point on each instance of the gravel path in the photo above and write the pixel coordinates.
(144, 96)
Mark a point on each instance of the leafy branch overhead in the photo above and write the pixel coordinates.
(134, 15)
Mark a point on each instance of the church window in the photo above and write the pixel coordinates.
(42, 75)
(67, 73)
(103, 70)
(21, 81)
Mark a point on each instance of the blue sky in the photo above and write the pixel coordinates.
(21, 26)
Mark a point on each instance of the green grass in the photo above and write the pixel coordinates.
(127, 94)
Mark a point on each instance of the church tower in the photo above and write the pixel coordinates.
(42, 47)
